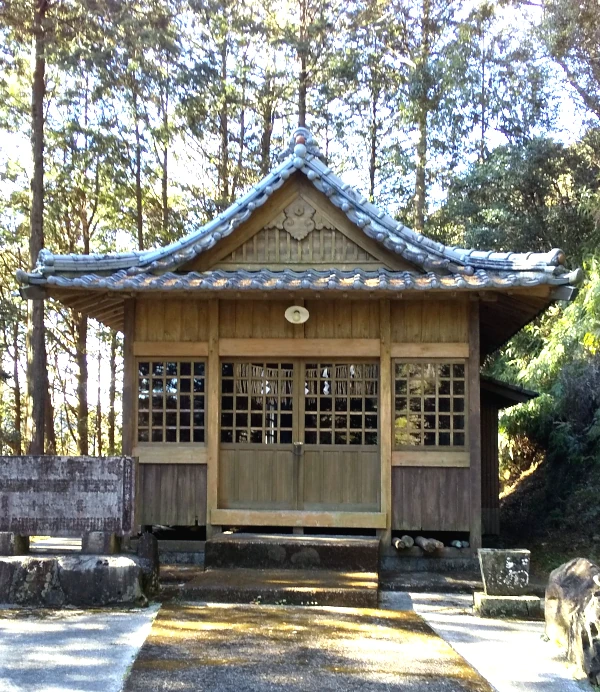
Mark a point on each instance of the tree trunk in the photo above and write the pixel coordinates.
(139, 211)
(303, 58)
(224, 132)
(36, 353)
(112, 394)
(99, 406)
(422, 119)
(165, 163)
(267, 130)
(17, 390)
(373, 147)
(82, 382)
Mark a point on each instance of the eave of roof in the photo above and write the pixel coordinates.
(506, 394)
(518, 269)
(290, 280)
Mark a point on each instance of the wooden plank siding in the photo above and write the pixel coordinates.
(172, 494)
(430, 321)
(430, 499)
(490, 481)
(434, 495)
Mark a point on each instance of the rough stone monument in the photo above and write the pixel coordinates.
(573, 614)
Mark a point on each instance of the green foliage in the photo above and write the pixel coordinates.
(528, 195)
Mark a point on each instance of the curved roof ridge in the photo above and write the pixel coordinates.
(304, 155)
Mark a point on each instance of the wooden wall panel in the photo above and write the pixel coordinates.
(490, 481)
(430, 321)
(430, 499)
(172, 494)
(329, 319)
(343, 480)
(171, 320)
(262, 319)
(251, 478)
(276, 248)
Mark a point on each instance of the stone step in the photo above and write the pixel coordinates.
(275, 551)
(284, 587)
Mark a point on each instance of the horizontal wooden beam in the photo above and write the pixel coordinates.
(347, 520)
(442, 458)
(431, 350)
(310, 348)
(170, 348)
(170, 453)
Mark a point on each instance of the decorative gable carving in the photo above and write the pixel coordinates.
(299, 219)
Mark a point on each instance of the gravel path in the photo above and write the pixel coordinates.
(249, 648)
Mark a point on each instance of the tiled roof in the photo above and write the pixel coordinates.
(445, 266)
(307, 280)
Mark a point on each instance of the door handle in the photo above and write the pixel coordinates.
(298, 448)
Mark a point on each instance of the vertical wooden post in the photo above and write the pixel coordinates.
(385, 421)
(212, 424)
(129, 389)
(129, 396)
(474, 425)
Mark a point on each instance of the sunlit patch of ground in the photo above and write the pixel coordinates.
(220, 647)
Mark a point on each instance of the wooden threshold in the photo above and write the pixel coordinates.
(444, 459)
(170, 453)
(250, 517)
(310, 348)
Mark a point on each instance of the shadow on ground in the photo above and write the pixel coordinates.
(248, 648)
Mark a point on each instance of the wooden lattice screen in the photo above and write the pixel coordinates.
(341, 403)
(429, 404)
(171, 402)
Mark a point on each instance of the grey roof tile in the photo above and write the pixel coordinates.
(445, 266)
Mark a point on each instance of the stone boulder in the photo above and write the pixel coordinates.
(78, 580)
(573, 614)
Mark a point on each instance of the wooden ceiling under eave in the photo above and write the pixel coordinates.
(104, 307)
(503, 314)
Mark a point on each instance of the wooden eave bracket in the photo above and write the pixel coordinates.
(32, 292)
(564, 293)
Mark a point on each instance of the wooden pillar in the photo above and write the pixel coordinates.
(385, 422)
(212, 422)
(474, 426)
(129, 388)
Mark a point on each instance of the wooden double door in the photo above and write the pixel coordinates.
(299, 435)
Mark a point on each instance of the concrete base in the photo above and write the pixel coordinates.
(86, 580)
(284, 587)
(100, 543)
(521, 607)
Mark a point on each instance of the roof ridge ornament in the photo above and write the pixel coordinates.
(302, 143)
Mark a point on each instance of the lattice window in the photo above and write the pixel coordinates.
(429, 404)
(341, 403)
(257, 402)
(171, 403)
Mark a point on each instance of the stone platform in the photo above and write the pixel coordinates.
(276, 551)
(284, 587)
(522, 607)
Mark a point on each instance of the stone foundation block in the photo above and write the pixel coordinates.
(147, 549)
(522, 607)
(100, 543)
(79, 580)
(13, 544)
